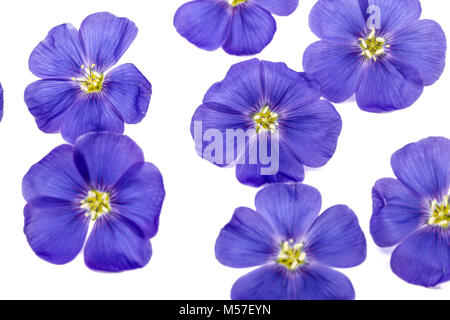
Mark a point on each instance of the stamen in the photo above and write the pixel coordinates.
(440, 213)
(92, 81)
(372, 47)
(291, 255)
(235, 3)
(266, 120)
(96, 204)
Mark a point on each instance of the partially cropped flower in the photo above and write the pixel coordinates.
(1, 102)
(413, 212)
(268, 121)
(241, 27)
(296, 247)
(376, 49)
(79, 92)
(102, 179)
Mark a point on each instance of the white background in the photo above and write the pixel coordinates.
(200, 197)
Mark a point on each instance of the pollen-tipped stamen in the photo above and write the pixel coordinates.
(96, 204)
(373, 47)
(291, 256)
(440, 213)
(235, 3)
(265, 120)
(92, 81)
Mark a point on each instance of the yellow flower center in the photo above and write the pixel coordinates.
(440, 213)
(266, 120)
(235, 3)
(91, 81)
(372, 47)
(291, 255)
(96, 204)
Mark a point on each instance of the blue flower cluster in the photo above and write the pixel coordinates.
(101, 176)
(270, 122)
(265, 119)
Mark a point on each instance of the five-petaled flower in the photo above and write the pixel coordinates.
(386, 58)
(296, 248)
(272, 104)
(102, 178)
(241, 27)
(413, 211)
(79, 93)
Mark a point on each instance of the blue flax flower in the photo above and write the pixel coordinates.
(378, 49)
(273, 105)
(102, 178)
(241, 27)
(413, 212)
(78, 92)
(1, 102)
(296, 246)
